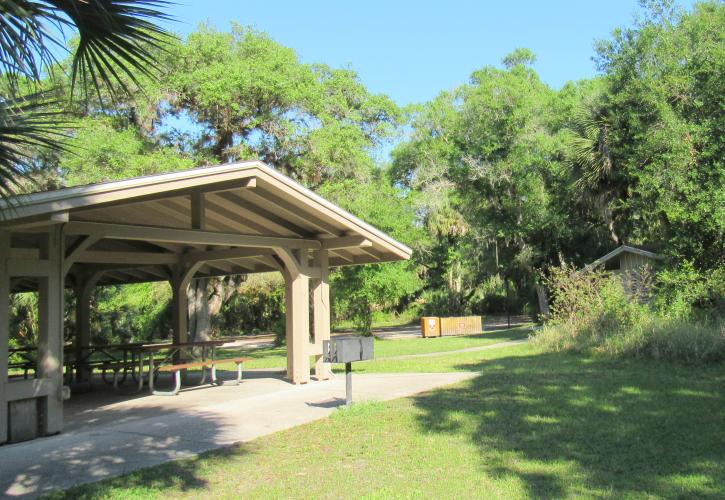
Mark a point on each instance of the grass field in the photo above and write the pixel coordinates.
(276, 357)
(529, 425)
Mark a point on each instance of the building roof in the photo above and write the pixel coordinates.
(241, 200)
(624, 249)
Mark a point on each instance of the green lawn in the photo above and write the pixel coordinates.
(276, 357)
(529, 425)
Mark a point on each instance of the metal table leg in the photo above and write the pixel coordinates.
(151, 374)
(140, 371)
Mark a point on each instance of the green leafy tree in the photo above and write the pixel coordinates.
(490, 162)
(359, 291)
(102, 151)
(664, 97)
(253, 98)
(521, 56)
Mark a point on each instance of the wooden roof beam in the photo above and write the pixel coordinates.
(41, 221)
(259, 214)
(219, 212)
(224, 254)
(186, 236)
(244, 265)
(138, 258)
(346, 242)
(221, 267)
(292, 211)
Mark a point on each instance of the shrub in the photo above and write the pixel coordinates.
(361, 291)
(592, 313)
(280, 331)
(684, 290)
(257, 305)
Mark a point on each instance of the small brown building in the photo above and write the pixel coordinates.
(633, 265)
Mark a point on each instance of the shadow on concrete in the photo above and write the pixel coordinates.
(566, 425)
(275, 373)
(329, 403)
(44, 464)
(108, 433)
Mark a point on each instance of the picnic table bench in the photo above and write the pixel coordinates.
(118, 367)
(176, 369)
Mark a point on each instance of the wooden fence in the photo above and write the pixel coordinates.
(461, 325)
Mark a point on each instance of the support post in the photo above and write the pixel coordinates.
(179, 311)
(298, 328)
(297, 300)
(181, 276)
(50, 331)
(85, 283)
(321, 313)
(4, 331)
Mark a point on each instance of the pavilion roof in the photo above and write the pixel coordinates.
(135, 229)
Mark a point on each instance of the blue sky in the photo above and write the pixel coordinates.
(412, 50)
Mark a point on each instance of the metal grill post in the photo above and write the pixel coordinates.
(347, 350)
(348, 384)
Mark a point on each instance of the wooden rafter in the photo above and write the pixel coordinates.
(187, 236)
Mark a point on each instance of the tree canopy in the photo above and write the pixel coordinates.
(491, 183)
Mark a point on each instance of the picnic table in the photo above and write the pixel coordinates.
(105, 357)
(140, 360)
(77, 358)
(172, 354)
(22, 358)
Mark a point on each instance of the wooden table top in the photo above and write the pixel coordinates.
(131, 346)
(166, 345)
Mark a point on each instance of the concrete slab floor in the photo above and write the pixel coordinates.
(109, 434)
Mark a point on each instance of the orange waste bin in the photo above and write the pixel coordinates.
(430, 326)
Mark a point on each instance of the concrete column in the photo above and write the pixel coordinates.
(83, 290)
(182, 275)
(4, 331)
(297, 299)
(179, 310)
(321, 313)
(50, 331)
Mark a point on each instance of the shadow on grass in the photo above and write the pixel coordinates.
(180, 475)
(517, 332)
(566, 425)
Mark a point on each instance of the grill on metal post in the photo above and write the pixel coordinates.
(348, 350)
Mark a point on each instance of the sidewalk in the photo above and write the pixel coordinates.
(119, 436)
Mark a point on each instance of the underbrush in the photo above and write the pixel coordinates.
(592, 313)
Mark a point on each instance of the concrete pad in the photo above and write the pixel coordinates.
(108, 435)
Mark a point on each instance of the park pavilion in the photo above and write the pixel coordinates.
(230, 219)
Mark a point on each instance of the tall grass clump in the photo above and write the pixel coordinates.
(591, 312)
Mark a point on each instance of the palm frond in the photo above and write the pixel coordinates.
(25, 42)
(116, 38)
(26, 124)
(589, 148)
